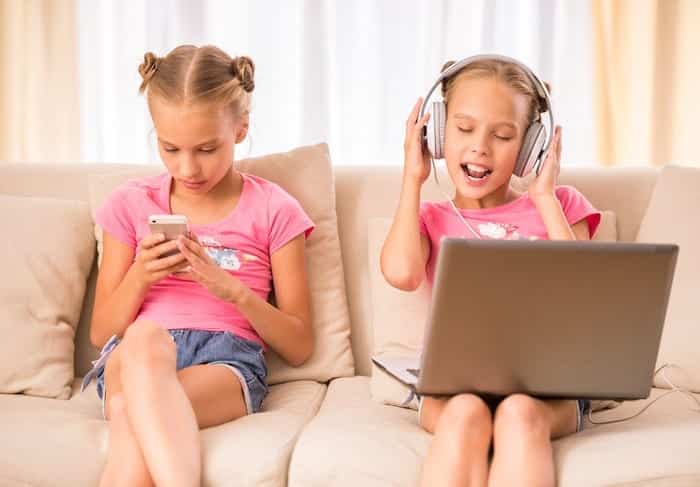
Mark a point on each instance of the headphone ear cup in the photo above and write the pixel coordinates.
(530, 150)
(435, 131)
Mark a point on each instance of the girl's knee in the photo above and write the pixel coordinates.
(467, 414)
(147, 347)
(520, 413)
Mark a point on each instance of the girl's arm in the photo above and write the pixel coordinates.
(542, 193)
(122, 282)
(405, 250)
(555, 222)
(287, 327)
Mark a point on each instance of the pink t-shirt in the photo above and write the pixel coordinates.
(516, 220)
(265, 218)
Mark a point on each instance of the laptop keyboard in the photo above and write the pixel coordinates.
(415, 372)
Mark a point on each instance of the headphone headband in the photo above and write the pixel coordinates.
(539, 85)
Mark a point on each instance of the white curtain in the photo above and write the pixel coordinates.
(38, 81)
(337, 71)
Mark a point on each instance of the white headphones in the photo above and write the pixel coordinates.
(536, 140)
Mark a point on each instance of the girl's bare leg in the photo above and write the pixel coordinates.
(523, 431)
(458, 454)
(159, 410)
(125, 464)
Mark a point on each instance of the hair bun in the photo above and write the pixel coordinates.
(148, 68)
(243, 69)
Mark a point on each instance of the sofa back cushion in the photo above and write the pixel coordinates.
(400, 317)
(42, 180)
(306, 174)
(672, 217)
(362, 192)
(46, 250)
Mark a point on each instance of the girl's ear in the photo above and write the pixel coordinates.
(242, 128)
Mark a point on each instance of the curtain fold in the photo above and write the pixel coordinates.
(39, 117)
(343, 72)
(647, 70)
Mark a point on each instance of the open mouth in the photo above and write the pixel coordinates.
(475, 172)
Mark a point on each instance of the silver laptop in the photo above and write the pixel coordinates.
(557, 319)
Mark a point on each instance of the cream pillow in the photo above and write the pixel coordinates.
(47, 251)
(306, 174)
(399, 317)
(672, 217)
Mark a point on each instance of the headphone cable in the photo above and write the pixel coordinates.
(674, 388)
(451, 201)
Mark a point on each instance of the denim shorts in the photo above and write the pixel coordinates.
(198, 347)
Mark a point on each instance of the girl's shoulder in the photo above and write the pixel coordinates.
(264, 189)
(284, 214)
(569, 195)
(566, 190)
(427, 207)
(140, 186)
(260, 182)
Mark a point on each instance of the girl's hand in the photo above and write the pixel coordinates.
(205, 271)
(416, 158)
(150, 263)
(545, 182)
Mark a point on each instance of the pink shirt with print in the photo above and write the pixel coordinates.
(518, 219)
(264, 220)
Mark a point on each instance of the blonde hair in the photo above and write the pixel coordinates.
(194, 75)
(507, 72)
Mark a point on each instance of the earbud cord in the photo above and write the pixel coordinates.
(674, 388)
(450, 200)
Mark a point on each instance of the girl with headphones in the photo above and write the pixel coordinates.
(488, 128)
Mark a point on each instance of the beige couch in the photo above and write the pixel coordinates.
(334, 434)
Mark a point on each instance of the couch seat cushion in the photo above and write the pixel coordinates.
(356, 441)
(54, 443)
(658, 446)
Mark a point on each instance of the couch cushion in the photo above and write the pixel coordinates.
(674, 481)
(660, 446)
(672, 217)
(399, 317)
(306, 174)
(63, 443)
(378, 445)
(46, 250)
(355, 441)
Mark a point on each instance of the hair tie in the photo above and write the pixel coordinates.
(246, 82)
(149, 66)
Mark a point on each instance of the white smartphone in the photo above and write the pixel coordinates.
(171, 226)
